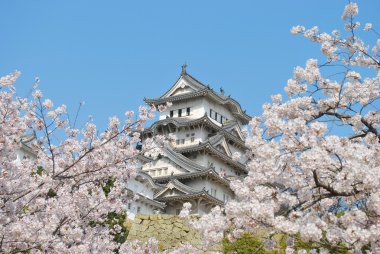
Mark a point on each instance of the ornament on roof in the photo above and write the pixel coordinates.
(184, 69)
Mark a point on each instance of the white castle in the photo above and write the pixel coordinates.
(198, 166)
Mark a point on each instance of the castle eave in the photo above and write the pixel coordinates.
(205, 120)
(187, 197)
(206, 92)
(209, 172)
(146, 200)
(209, 148)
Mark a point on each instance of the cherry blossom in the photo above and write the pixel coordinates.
(314, 168)
(53, 201)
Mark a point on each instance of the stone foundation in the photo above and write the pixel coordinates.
(169, 230)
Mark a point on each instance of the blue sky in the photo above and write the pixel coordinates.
(112, 54)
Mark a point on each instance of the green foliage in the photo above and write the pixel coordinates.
(247, 244)
(340, 214)
(25, 209)
(338, 249)
(51, 193)
(107, 186)
(114, 219)
(40, 170)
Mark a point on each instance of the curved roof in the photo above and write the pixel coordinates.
(188, 193)
(201, 90)
(26, 143)
(184, 197)
(145, 199)
(210, 172)
(182, 122)
(182, 160)
(144, 177)
(209, 146)
(143, 158)
(175, 184)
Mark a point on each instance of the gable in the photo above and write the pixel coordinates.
(223, 147)
(182, 89)
(183, 85)
(236, 133)
(235, 130)
(170, 192)
(171, 189)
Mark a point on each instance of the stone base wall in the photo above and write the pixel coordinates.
(169, 230)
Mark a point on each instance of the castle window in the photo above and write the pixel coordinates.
(182, 141)
(187, 111)
(187, 135)
(129, 206)
(192, 139)
(177, 141)
(210, 112)
(179, 112)
(221, 119)
(216, 116)
(192, 134)
(138, 209)
(178, 211)
(171, 113)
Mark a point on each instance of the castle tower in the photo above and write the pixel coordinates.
(198, 166)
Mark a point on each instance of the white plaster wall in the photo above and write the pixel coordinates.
(197, 109)
(144, 209)
(219, 165)
(184, 90)
(210, 185)
(144, 189)
(161, 167)
(220, 109)
(23, 154)
(185, 135)
(173, 208)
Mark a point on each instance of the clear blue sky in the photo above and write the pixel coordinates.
(112, 54)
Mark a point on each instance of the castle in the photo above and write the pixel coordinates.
(207, 153)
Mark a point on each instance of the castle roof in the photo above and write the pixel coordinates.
(209, 172)
(188, 87)
(144, 177)
(186, 193)
(26, 143)
(131, 194)
(230, 130)
(182, 160)
(210, 146)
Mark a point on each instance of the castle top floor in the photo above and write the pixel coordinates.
(191, 99)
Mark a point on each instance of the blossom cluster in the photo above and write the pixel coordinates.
(314, 168)
(53, 198)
